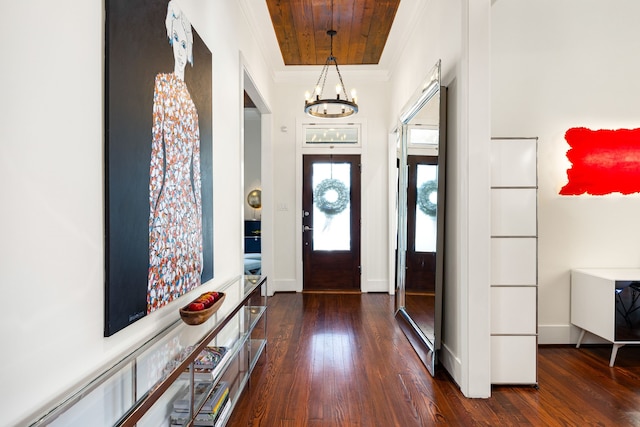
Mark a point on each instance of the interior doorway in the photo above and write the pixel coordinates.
(331, 222)
(257, 223)
(252, 188)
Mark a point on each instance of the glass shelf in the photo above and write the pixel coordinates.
(140, 388)
(257, 347)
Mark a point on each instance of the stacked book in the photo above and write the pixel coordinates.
(213, 412)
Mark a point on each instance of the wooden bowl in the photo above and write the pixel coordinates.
(191, 317)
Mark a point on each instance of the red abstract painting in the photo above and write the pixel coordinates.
(603, 161)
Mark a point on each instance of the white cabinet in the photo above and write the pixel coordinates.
(605, 303)
(514, 261)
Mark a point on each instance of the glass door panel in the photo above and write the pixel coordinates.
(331, 207)
(427, 202)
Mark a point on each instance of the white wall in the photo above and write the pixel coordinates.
(51, 170)
(559, 64)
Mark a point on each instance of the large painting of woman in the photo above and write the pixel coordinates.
(158, 159)
(175, 201)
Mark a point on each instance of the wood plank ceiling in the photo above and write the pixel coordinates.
(362, 29)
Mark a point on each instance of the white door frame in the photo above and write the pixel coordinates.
(266, 166)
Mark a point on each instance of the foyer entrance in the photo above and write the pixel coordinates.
(331, 222)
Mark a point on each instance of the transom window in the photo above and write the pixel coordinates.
(348, 134)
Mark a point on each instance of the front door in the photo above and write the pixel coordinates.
(331, 222)
(421, 223)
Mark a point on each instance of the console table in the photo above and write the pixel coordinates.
(605, 303)
(143, 387)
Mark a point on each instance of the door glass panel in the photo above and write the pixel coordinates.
(331, 206)
(426, 202)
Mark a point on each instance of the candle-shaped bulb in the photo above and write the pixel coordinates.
(307, 96)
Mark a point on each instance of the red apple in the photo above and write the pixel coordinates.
(196, 306)
(206, 299)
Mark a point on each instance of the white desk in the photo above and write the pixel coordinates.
(593, 304)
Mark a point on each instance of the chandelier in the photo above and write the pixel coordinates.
(330, 108)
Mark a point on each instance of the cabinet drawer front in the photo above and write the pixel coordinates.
(513, 212)
(513, 162)
(513, 360)
(513, 261)
(513, 310)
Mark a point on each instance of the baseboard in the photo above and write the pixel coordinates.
(554, 334)
(564, 334)
(376, 286)
(283, 285)
(291, 285)
(451, 363)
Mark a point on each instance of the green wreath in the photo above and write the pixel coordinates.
(424, 194)
(329, 207)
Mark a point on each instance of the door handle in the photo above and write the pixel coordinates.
(307, 228)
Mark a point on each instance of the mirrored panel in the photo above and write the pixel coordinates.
(420, 217)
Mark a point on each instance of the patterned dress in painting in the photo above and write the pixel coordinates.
(175, 199)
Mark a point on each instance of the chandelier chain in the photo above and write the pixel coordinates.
(341, 106)
(344, 90)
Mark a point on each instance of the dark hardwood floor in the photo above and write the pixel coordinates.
(341, 360)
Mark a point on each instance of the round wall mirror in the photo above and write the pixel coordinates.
(254, 199)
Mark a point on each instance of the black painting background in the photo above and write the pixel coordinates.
(137, 48)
